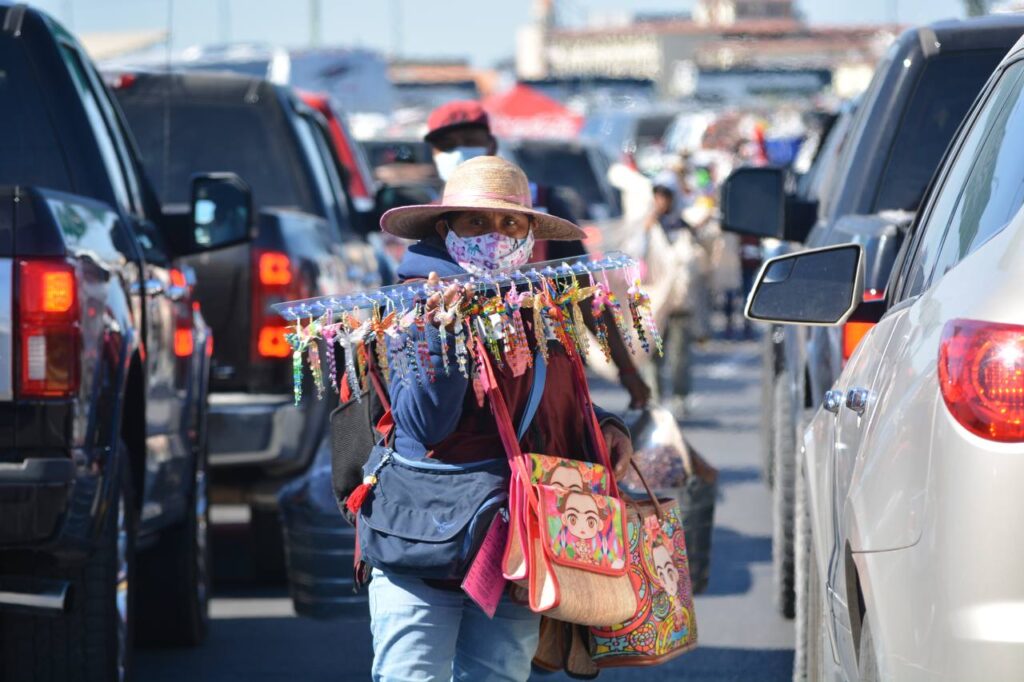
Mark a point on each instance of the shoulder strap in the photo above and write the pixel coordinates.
(540, 373)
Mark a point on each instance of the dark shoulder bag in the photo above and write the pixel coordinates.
(427, 519)
(354, 434)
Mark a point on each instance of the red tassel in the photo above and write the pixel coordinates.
(355, 500)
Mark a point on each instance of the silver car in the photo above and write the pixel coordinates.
(912, 490)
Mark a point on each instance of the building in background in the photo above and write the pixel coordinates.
(727, 49)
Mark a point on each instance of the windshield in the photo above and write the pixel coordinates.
(554, 166)
(206, 136)
(944, 93)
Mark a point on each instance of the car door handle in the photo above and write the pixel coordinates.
(857, 399)
(833, 400)
(151, 287)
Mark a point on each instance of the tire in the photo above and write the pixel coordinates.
(267, 537)
(93, 641)
(867, 660)
(768, 378)
(783, 499)
(808, 664)
(174, 576)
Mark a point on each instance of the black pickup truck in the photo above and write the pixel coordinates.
(305, 245)
(104, 365)
(920, 93)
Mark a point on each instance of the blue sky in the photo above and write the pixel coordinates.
(483, 30)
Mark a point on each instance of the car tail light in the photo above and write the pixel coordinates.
(48, 329)
(981, 374)
(274, 281)
(184, 344)
(853, 332)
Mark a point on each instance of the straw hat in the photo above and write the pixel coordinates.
(487, 183)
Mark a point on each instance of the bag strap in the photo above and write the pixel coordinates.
(658, 511)
(593, 425)
(540, 375)
(517, 460)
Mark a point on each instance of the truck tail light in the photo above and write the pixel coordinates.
(981, 374)
(48, 329)
(274, 281)
(853, 332)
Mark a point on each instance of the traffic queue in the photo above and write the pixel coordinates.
(153, 221)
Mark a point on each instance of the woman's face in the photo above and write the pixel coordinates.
(581, 516)
(668, 574)
(477, 223)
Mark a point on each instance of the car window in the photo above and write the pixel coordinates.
(943, 94)
(555, 166)
(179, 137)
(30, 151)
(107, 146)
(983, 189)
(114, 127)
(307, 139)
(332, 165)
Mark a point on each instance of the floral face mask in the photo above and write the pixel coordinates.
(488, 252)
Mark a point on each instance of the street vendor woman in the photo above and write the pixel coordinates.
(424, 630)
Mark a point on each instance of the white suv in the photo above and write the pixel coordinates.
(913, 469)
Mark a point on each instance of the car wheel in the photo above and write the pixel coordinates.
(267, 537)
(783, 494)
(768, 377)
(808, 664)
(174, 576)
(93, 641)
(867, 660)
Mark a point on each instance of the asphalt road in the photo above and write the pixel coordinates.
(255, 636)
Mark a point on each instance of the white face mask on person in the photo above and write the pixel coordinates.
(489, 252)
(447, 162)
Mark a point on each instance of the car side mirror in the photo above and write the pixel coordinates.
(221, 211)
(816, 287)
(754, 202)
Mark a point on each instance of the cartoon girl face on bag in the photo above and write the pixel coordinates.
(668, 574)
(565, 476)
(581, 515)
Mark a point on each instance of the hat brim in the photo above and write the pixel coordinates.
(431, 136)
(418, 222)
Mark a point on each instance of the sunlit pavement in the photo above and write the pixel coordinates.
(255, 636)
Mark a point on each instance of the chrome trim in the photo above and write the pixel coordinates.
(34, 595)
(857, 400)
(6, 329)
(833, 400)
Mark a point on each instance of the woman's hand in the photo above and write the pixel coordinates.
(451, 296)
(620, 447)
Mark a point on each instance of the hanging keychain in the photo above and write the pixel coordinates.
(640, 307)
(569, 300)
(295, 340)
(352, 333)
(612, 303)
(313, 356)
(329, 332)
(520, 344)
(422, 347)
(598, 305)
(444, 317)
(540, 329)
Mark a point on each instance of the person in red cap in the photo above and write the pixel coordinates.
(460, 130)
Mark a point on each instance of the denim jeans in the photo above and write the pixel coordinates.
(423, 633)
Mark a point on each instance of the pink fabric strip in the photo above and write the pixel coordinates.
(523, 200)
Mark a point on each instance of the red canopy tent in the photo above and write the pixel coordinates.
(525, 112)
